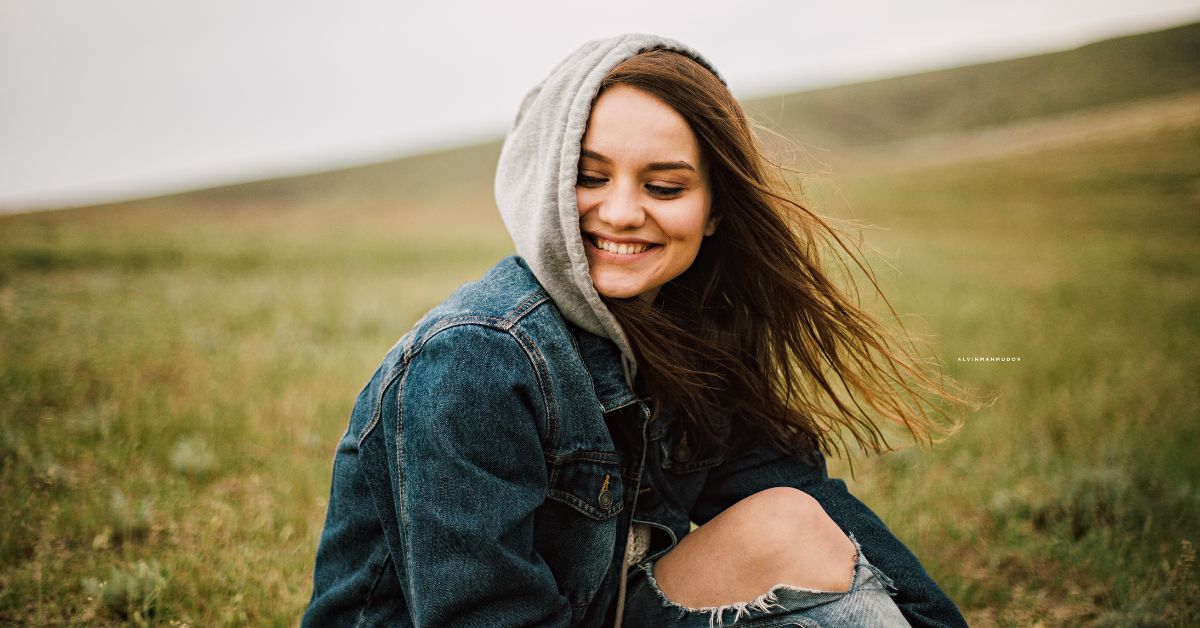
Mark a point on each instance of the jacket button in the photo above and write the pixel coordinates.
(606, 499)
(683, 452)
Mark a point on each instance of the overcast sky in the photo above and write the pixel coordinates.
(103, 100)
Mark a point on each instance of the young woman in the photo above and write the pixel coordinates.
(666, 349)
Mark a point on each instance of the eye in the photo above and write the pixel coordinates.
(590, 182)
(662, 191)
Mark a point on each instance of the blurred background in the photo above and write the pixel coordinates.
(216, 218)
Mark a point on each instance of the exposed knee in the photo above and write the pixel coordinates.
(776, 536)
(787, 531)
(790, 504)
(779, 514)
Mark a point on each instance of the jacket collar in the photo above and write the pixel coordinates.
(603, 361)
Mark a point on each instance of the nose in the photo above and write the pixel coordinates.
(622, 208)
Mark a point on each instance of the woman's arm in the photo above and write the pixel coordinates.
(920, 599)
(467, 472)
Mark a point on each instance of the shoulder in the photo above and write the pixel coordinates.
(478, 362)
(504, 314)
(476, 354)
(504, 296)
(498, 342)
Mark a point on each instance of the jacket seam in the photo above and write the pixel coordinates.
(583, 506)
(503, 322)
(507, 324)
(541, 370)
(377, 409)
(533, 353)
(377, 406)
(401, 503)
(584, 456)
(525, 307)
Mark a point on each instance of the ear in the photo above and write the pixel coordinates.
(711, 226)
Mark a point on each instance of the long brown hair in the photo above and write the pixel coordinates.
(755, 336)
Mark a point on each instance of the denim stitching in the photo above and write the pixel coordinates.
(589, 456)
(411, 352)
(538, 361)
(623, 401)
(582, 505)
(403, 523)
(694, 466)
(377, 412)
(542, 372)
(528, 305)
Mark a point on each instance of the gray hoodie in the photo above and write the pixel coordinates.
(536, 175)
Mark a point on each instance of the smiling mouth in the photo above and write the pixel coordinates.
(619, 248)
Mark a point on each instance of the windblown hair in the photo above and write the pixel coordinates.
(755, 336)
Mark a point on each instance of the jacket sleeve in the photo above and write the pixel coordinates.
(469, 473)
(920, 599)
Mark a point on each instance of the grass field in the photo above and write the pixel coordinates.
(175, 373)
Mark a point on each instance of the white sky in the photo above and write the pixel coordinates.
(103, 100)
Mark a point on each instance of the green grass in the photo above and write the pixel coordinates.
(174, 382)
(1071, 498)
(176, 371)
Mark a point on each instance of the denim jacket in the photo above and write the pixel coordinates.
(495, 461)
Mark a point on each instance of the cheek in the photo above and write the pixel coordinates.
(686, 226)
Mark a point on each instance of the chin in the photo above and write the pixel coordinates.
(622, 291)
(618, 294)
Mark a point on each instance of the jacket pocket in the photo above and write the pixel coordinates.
(589, 482)
(575, 530)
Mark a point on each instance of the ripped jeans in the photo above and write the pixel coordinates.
(867, 603)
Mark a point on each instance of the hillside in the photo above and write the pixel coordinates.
(968, 98)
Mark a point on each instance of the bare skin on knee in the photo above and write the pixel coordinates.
(776, 536)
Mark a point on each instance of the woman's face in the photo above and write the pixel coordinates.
(643, 195)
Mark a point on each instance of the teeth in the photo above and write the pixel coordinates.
(620, 249)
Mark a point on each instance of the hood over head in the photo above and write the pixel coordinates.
(537, 172)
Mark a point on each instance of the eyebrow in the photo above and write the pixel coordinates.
(658, 165)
